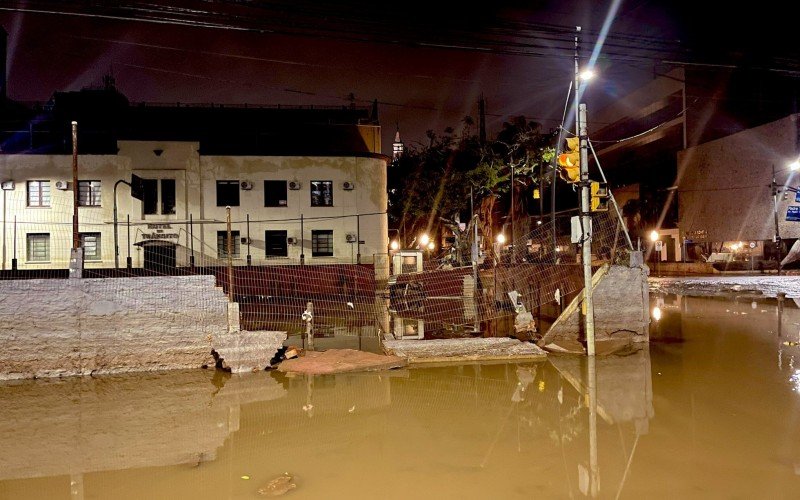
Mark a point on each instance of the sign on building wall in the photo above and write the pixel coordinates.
(793, 213)
(159, 232)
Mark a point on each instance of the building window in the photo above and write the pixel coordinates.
(89, 193)
(321, 193)
(227, 193)
(274, 193)
(38, 193)
(158, 201)
(90, 242)
(38, 247)
(222, 244)
(275, 244)
(322, 243)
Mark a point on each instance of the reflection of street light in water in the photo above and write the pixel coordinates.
(656, 313)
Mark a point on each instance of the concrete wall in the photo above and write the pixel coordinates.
(724, 185)
(84, 326)
(621, 300)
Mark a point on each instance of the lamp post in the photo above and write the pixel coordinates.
(657, 245)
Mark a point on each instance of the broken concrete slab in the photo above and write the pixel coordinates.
(340, 361)
(246, 351)
(471, 349)
(621, 305)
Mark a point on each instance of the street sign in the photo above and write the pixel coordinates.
(659, 245)
(793, 213)
(797, 196)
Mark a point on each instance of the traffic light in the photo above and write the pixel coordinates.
(570, 160)
(137, 187)
(599, 192)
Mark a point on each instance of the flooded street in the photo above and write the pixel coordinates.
(710, 409)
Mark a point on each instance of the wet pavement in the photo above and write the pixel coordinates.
(710, 409)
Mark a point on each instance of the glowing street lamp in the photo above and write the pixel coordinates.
(424, 239)
(394, 245)
(431, 246)
(501, 238)
(654, 236)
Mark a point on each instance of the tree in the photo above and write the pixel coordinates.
(431, 183)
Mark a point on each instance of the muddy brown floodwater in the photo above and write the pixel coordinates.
(710, 409)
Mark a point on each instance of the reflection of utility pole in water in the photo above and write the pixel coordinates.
(781, 299)
(309, 406)
(594, 469)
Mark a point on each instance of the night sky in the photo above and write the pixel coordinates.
(427, 66)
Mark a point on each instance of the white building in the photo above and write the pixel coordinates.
(311, 183)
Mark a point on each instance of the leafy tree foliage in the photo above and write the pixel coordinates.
(430, 185)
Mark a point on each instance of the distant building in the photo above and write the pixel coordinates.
(311, 181)
(657, 137)
(725, 191)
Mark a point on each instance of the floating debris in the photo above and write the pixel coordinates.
(278, 486)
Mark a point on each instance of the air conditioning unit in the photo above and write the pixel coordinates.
(351, 238)
(348, 186)
(245, 240)
(62, 185)
(246, 185)
(295, 185)
(291, 240)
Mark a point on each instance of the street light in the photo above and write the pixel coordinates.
(424, 239)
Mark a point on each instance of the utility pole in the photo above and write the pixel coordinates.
(586, 219)
(76, 238)
(775, 214)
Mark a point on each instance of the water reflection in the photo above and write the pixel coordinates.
(442, 431)
(707, 413)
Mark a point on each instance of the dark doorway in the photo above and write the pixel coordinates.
(160, 257)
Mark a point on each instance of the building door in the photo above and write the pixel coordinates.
(160, 257)
(669, 244)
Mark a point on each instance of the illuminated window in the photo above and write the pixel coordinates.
(38, 247)
(321, 193)
(38, 193)
(89, 193)
(91, 246)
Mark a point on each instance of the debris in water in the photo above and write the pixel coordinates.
(293, 352)
(790, 342)
(277, 486)
(245, 477)
(352, 409)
